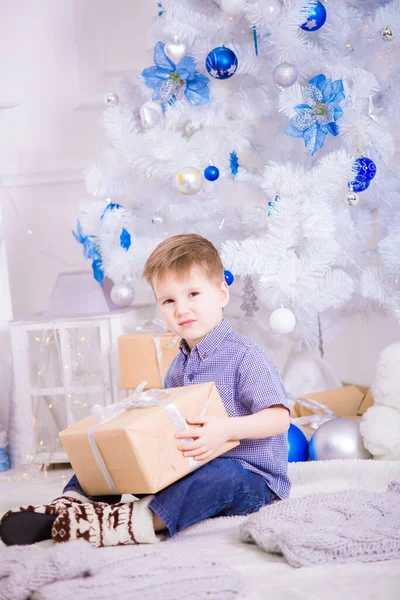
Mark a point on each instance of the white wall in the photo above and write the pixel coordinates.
(58, 59)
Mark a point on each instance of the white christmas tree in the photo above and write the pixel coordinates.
(207, 141)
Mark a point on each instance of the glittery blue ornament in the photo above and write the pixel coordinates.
(4, 461)
(125, 239)
(234, 163)
(316, 16)
(298, 445)
(221, 63)
(211, 173)
(229, 278)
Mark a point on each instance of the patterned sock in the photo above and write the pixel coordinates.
(107, 525)
(54, 508)
(32, 523)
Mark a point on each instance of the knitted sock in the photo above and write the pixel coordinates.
(107, 525)
(32, 523)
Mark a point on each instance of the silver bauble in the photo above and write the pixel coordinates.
(282, 320)
(111, 100)
(233, 7)
(285, 75)
(175, 51)
(189, 181)
(122, 295)
(352, 198)
(388, 33)
(150, 114)
(338, 438)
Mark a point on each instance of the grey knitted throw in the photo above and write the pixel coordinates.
(348, 526)
(77, 570)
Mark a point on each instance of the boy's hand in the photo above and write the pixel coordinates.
(208, 433)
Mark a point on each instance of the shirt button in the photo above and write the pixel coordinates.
(205, 355)
(191, 377)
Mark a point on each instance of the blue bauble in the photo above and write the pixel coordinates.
(364, 169)
(211, 173)
(229, 278)
(221, 63)
(358, 186)
(298, 445)
(316, 16)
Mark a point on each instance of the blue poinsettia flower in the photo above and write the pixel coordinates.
(316, 119)
(170, 82)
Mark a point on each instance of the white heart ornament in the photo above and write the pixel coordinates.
(150, 114)
(175, 51)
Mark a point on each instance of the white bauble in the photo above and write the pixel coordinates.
(175, 51)
(233, 7)
(189, 181)
(122, 295)
(150, 114)
(282, 320)
(272, 9)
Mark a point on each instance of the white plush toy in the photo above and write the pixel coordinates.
(380, 425)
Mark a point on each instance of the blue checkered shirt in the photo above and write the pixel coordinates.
(247, 381)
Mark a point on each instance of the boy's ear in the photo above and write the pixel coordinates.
(224, 294)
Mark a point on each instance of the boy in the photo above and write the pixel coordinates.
(187, 277)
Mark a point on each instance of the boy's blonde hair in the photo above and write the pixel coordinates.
(178, 254)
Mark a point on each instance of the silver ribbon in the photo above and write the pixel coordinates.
(140, 398)
(314, 420)
(157, 343)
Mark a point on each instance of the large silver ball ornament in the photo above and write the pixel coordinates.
(189, 181)
(111, 100)
(388, 33)
(122, 295)
(285, 75)
(175, 51)
(338, 438)
(150, 114)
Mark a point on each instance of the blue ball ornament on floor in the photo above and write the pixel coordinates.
(316, 16)
(298, 445)
(221, 63)
(211, 173)
(229, 278)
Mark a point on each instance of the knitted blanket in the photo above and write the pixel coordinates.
(77, 570)
(340, 527)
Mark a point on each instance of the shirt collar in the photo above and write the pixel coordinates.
(208, 345)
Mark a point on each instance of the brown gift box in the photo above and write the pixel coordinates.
(350, 401)
(139, 447)
(138, 358)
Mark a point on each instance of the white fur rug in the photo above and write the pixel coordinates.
(257, 575)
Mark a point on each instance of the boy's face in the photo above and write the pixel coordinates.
(191, 307)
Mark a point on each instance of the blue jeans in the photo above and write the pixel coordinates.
(222, 487)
